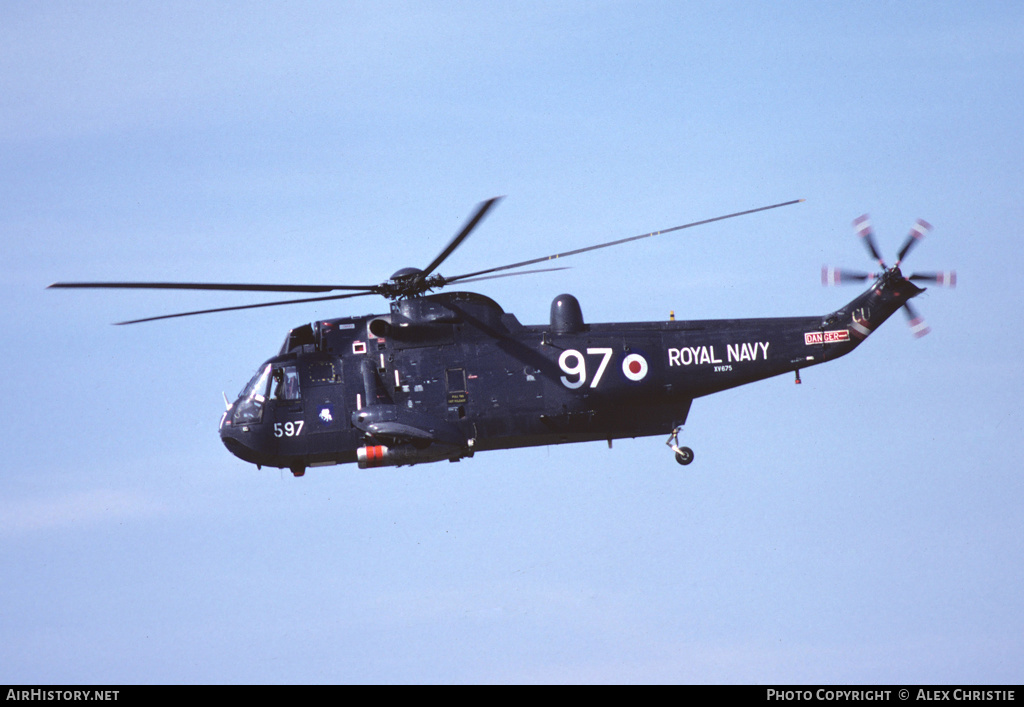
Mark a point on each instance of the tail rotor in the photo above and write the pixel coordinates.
(831, 276)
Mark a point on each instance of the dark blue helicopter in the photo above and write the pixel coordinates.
(446, 375)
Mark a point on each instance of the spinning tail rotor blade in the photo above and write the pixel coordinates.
(862, 224)
(917, 233)
(831, 276)
(916, 322)
(946, 278)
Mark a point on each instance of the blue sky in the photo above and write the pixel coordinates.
(862, 527)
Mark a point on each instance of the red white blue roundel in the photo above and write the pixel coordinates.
(634, 367)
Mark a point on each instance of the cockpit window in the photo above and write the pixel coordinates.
(253, 398)
(286, 383)
(257, 387)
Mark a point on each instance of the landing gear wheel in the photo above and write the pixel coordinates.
(684, 455)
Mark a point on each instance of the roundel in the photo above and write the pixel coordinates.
(634, 367)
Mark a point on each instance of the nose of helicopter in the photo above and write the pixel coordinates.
(231, 436)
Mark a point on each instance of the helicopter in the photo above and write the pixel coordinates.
(444, 375)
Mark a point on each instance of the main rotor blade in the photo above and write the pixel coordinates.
(243, 306)
(236, 287)
(618, 242)
(481, 211)
(513, 274)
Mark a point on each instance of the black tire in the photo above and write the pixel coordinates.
(684, 456)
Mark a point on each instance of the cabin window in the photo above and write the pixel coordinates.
(286, 383)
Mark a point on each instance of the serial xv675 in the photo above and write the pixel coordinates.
(442, 376)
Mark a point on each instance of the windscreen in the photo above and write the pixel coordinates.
(252, 399)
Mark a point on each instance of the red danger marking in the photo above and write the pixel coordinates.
(826, 337)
